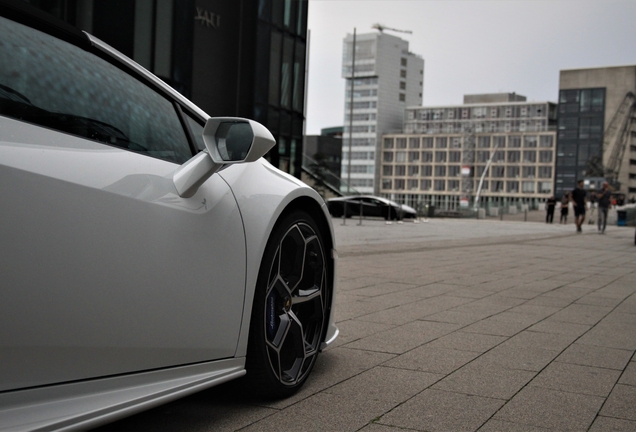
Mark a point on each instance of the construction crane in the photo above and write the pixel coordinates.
(381, 28)
(616, 136)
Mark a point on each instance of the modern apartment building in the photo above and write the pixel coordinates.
(443, 151)
(597, 128)
(387, 79)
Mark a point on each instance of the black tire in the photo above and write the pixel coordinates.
(290, 309)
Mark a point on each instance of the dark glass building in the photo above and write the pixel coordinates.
(580, 137)
(243, 58)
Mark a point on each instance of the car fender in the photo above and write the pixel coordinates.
(263, 193)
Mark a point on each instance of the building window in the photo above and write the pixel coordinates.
(514, 156)
(512, 172)
(441, 142)
(454, 170)
(497, 186)
(497, 171)
(400, 143)
(545, 187)
(402, 97)
(440, 185)
(530, 141)
(387, 156)
(403, 61)
(402, 85)
(512, 187)
(414, 143)
(514, 141)
(425, 185)
(388, 143)
(545, 172)
(400, 170)
(412, 184)
(426, 171)
(414, 170)
(440, 171)
(545, 156)
(546, 141)
(454, 156)
(414, 156)
(529, 172)
(399, 184)
(427, 142)
(387, 170)
(403, 73)
(483, 156)
(440, 156)
(499, 141)
(387, 184)
(527, 187)
(483, 142)
(453, 185)
(400, 156)
(529, 156)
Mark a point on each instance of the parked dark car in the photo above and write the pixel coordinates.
(372, 206)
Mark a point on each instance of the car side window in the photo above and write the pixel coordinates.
(197, 132)
(51, 83)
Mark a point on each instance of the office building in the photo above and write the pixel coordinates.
(440, 156)
(597, 128)
(387, 79)
(242, 59)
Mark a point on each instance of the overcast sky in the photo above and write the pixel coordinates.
(471, 46)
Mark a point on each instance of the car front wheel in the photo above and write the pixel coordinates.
(290, 308)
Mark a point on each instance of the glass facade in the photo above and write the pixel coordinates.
(579, 137)
(243, 59)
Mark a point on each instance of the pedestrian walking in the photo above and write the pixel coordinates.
(565, 202)
(604, 198)
(578, 197)
(550, 204)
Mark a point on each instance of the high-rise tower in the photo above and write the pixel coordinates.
(387, 79)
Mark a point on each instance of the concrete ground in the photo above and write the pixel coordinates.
(458, 325)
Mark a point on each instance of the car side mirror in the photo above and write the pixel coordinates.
(228, 140)
(231, 140)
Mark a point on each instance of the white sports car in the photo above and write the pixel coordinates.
(147, 250)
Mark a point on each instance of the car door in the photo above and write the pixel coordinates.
(105, 269)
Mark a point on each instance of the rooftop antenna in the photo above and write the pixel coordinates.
(381, 28)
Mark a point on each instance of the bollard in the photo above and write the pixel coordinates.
(525, 215)
(361, 207)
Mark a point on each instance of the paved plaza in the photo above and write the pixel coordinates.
(458, 325)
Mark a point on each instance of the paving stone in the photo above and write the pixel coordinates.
(332, 367)
(386, 383)
(621, 402)
(413, 310)
(481, 379)
(503, 324)
(582, 314)
(608, 424)
(589, 355)
(551, 409)
(548, 341)
(452, 316)
(617, 331)
(527, 358)
(467, 341)
(436, 410)
(400, 339)
(430, 290)
(577, 379)
(629, 375)
(319, 413)
(550, 325)
(504, 426)
(381, 289)
(430, 359)
(353, 329)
